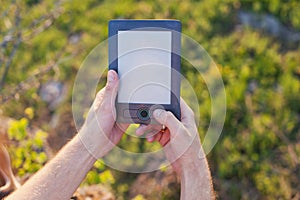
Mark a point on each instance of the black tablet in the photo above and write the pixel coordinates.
(146, 56)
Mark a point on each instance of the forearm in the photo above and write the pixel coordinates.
(196, 181)
(60, 177)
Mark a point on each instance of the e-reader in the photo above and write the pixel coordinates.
(146, 56)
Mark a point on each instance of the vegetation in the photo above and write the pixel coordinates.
(28, 150)
(257, 156)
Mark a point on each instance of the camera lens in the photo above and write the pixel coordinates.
(143, 114)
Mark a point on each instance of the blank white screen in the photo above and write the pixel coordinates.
(144, 66)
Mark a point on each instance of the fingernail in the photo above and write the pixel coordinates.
(157, 113)
(110, 76)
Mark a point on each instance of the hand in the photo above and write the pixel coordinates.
(100, 133)
(180, 140)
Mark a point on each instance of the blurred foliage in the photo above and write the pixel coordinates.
(27, 150)
(286, 11)
(99, 174)
(139, 197)
(257, 156)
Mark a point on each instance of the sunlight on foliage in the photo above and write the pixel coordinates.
(27, 151)
(257, 156)
(139, 197)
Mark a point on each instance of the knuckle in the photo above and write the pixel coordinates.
(108, 88)
(169, 116)
(111, 89)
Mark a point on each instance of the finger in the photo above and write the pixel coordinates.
(98, 99)
(110, 91)
(121, 127)
(163, 138)
(153, 136)
(117, 132)
(186, 112)
(150, 137)
(144, 128)
(141, 130)
(111, 84)
(168, 119)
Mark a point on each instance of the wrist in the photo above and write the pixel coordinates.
(90, 142)
(193, 167)
(96, 142)
(86, 151)
(195, 176)
(195, 160)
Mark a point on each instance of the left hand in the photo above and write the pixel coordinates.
(100, 133)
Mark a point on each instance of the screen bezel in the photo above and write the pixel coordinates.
(174, 26)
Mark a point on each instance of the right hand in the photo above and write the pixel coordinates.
(180, 140)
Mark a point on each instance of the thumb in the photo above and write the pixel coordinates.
(111, 84)
(168, 119)
(111, 88)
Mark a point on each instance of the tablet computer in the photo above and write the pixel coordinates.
(146, 56)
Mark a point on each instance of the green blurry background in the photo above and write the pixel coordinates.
(255, 45)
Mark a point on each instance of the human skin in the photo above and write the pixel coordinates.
(6, 174)
(183, 149)
(61, 176)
